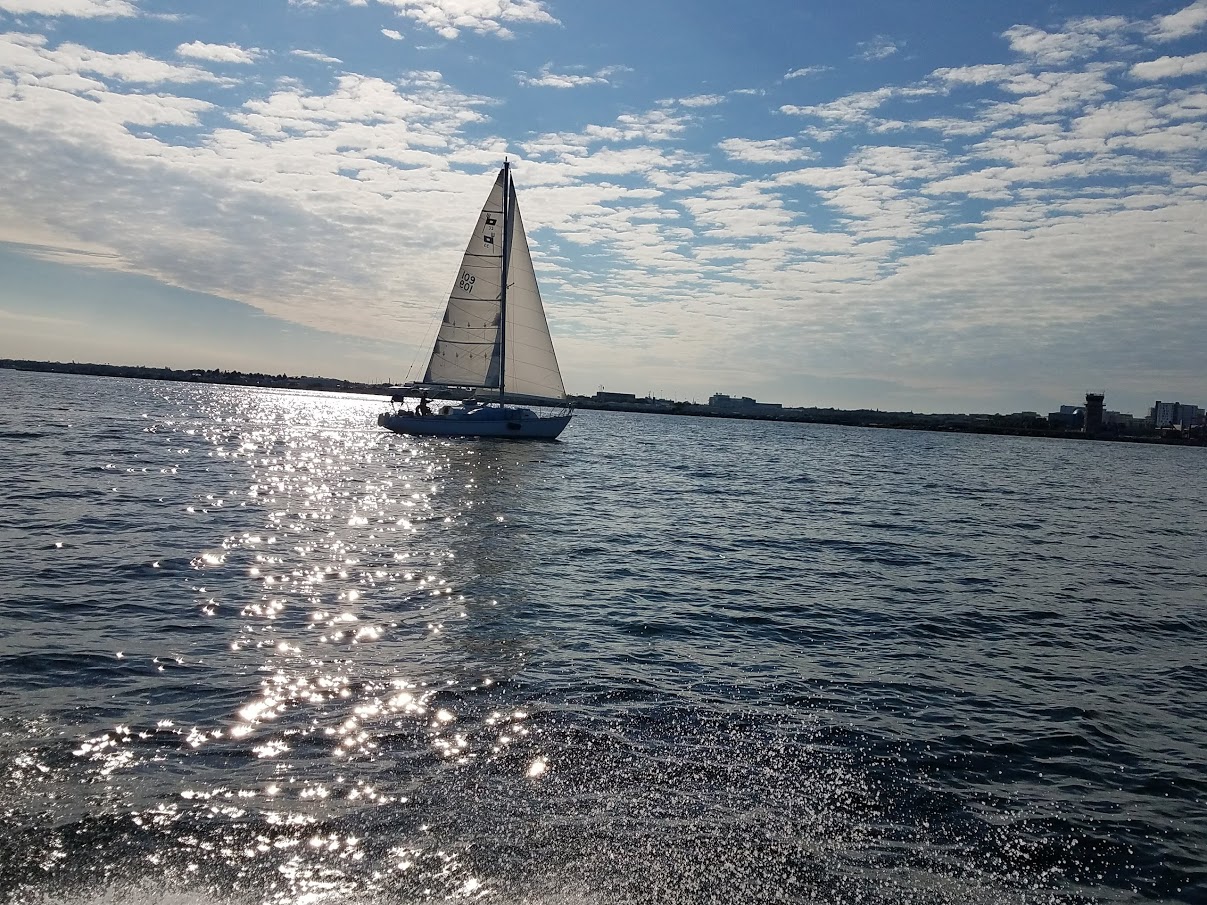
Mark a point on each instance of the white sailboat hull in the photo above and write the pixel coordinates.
(520, 424)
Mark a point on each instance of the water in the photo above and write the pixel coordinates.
(256, 650)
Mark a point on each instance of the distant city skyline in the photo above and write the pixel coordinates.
(1160, 415)
(926, 206)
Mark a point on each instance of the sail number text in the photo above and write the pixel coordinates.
(466, 283)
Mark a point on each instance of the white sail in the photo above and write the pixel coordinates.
(467, 349)
(531, 362)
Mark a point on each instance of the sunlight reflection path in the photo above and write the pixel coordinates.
(341, 600)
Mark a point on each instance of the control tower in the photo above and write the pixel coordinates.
(1093, 413)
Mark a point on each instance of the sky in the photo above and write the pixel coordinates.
(890, 204)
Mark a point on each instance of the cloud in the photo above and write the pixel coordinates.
(550, 79)
(876, 192)
(616, 69)
(857, 109)
(1082, 38)
(22, 319)
(217, 53)
(1020, 279)
(879, 48)
(702, 100)
(314, 55)
(392, 34)
(746, 210)
(982, 74)
(449, 18)
(768, 151)
(1125, 117)
(151, 109)
(83, 9)
(309, 165)
(1170, 67)
(653, 126)
(974, 208)
(806, 71)
(26, 57)
(365, 111)
(1047, 93)
(1181, 24)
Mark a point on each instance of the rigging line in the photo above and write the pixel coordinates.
(425, 342)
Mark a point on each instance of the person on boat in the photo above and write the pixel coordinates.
(423, 408)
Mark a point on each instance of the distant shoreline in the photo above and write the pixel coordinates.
(994, 425)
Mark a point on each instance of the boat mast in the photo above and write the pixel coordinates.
(507, 215)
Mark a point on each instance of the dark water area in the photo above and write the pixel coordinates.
(255, 649)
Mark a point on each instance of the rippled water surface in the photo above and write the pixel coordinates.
(255, 649)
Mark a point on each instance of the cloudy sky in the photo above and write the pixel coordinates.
(919, 205)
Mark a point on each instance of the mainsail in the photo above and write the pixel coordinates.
(495, 336)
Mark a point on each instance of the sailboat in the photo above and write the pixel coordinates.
(493, 349)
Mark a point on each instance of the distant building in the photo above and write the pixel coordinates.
(616, 397)
(726, 403)
(1175, 414)
(743, 405)
(1070, 417)
(1122, 421)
